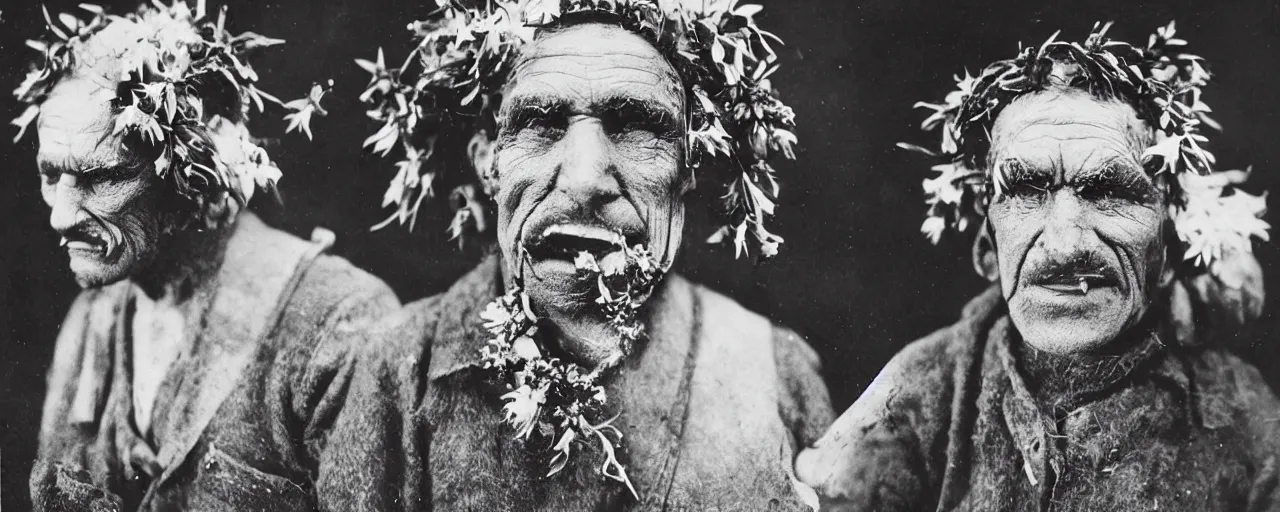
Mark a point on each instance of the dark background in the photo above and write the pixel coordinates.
(854, 276)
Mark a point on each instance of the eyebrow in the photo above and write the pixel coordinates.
(1114, 175)
(521, 110)
(96, 166)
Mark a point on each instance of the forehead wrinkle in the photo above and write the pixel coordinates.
(591, 94)
(622, 60)
(72, 148)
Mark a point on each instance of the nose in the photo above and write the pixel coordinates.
(65, 203)
(1066, 229)
(588, 169)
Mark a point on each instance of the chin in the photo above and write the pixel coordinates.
(556, 286)
(93, 272)
(1068, 337)
(1067, 323)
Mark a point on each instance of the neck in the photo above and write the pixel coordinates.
(1064, 382)
(187, 262)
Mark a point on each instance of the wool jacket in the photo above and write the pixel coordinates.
(955, 423)
(241, 415)
(712, 409)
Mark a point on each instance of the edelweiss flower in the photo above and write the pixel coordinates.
(526, 348)
(585, 261)
(498, 318)
(1214, 224)
(524, 405)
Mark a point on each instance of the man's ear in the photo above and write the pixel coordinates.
(480, 151)
(985, 262)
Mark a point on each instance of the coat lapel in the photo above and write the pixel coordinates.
(261, 268)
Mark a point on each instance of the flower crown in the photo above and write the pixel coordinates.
(210, 160)
(1161, 82)
(453, 79)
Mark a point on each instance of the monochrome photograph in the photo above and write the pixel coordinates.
(639, 255)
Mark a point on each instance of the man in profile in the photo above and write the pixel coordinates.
(1092, 375)
(569, 370)
(200, 366)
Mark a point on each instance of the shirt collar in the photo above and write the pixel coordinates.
(1149, 355)
(459, 332)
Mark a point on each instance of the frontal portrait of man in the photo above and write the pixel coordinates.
(195, 369)
(1092, 375)
(571, 370)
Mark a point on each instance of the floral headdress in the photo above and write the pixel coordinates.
(180, 60)
(453, 78)
(1160, 81)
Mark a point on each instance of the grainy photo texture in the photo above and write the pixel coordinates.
(639, 255)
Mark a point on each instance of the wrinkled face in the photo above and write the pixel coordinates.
(590, 145)
(104, 204)
(1078, 236)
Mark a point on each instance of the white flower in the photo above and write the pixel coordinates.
(613, 263)
(1213, 224)
(933, 228)
(523, 407)
(585, 261)
(562, 449)
(526, 348)
(498, 319)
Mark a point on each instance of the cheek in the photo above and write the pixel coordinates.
(1138, 232)
(1014, 228)
(651, 173)
(135, 209)
(520, 170)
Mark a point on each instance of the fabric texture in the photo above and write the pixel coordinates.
(241, 416)
(959, 421)
(712, 409)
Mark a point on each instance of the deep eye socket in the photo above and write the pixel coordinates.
(49, 177)
(1108, 191)
(1091, 192)
(532, 121)
(1028, 189)
(543, 126)
(656, 126)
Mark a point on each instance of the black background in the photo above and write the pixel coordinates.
(854, 276)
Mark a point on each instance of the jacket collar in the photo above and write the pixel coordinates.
(459, 333)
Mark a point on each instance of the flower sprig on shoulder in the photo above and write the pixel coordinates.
(1162, 82)
(556, 399)
(180, 57)
(452, 81)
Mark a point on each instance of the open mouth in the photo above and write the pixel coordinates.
(566, 241)
(1077, 283)
(86, 245)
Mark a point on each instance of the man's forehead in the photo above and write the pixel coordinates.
(1072, 130)
(76, 124)
(587, 63)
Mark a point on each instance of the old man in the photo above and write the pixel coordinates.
(200, 367)
(1092, 375)
(568, 371)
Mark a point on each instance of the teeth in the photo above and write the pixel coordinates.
(591, 232)
(62, 243)
(1084, 286)
(82, 246)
